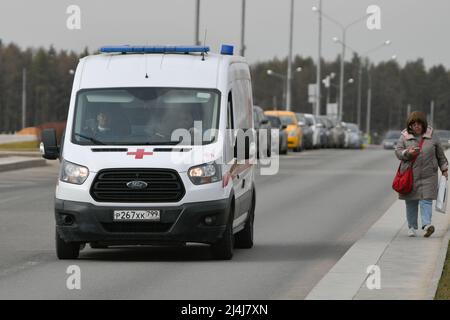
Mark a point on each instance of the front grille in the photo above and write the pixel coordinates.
(163, 185)
(136, 227)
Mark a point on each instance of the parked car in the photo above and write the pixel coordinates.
(323, 132)
(295, 134)
(306, 124)
(390, 139)
(316, 127)
(337, 134)
(263, 131)
(444, 137)
(354, 137)
(275, 123)
(328, 125)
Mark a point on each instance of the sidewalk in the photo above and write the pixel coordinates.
(20, 162)
(410, 268)
(8, 138)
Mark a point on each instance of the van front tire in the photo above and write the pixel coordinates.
(66, 250)
(244, 238)
(223, 249)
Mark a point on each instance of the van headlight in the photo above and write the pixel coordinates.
(205, 173)
(73, 173)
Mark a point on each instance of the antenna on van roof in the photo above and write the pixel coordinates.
(146, 69)
(204, 44)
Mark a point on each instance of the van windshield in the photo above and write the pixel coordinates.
(146, 116)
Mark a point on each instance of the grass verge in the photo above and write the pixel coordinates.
(20, 146)
(443, 291)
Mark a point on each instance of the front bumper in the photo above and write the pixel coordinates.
(178, 224)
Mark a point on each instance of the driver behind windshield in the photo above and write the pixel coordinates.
(101, 127)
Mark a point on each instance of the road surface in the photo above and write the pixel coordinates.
(307, 217)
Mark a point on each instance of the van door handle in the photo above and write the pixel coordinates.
(243, 183)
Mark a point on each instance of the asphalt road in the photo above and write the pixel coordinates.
(307, 217)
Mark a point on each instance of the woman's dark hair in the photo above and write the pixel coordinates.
(419, 117)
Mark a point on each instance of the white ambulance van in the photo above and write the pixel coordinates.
(125, 180)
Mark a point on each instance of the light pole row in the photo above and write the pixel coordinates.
(242, 52)
(197, 25)
(362, 57)
(344, 29)
(285, 80)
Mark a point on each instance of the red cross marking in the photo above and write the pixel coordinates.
(139, 154)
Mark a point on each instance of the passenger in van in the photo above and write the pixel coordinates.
(173, 119)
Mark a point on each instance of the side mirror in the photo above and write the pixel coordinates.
(49, 146)
(265, 121)
(283, 127)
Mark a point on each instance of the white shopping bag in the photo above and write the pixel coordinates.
(441, 202)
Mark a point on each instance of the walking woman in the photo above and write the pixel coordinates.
(417, 141)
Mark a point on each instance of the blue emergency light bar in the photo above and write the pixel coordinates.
(154, 49)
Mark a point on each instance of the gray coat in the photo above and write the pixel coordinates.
(425, 169)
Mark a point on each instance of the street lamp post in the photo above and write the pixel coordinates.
(197, 23)
(344, 29)
(289, 60)
(24, 98)
(285, 83)
(363, 56)
(341, 85)
(369, 105)
(319, 62)
(243, 29)
(369, 99)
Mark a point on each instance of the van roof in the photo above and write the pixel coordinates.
(154, 70)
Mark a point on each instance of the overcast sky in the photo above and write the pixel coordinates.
(417, 28)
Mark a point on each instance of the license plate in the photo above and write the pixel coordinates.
(137, 215)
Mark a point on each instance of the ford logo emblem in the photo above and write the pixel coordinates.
(137, 184)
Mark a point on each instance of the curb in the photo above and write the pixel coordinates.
(34, 154)
(23, 164)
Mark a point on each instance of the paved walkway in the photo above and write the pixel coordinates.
(409, 268)
(8, 138)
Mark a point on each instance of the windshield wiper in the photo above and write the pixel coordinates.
(163, 143)
(90, 139)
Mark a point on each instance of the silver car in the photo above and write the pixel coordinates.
(353, 136)
(390, 139)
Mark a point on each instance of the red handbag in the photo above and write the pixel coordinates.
(403, 182)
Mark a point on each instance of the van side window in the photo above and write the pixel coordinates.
(230, 124)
